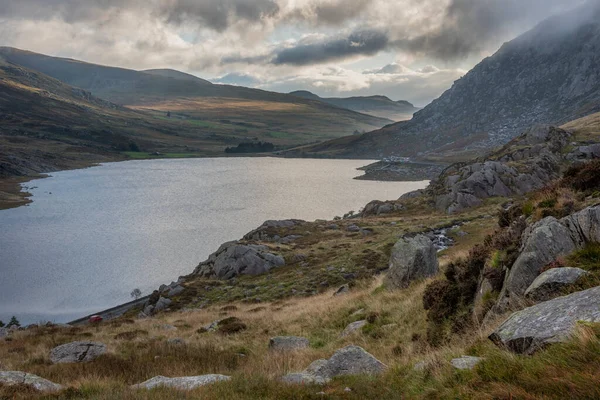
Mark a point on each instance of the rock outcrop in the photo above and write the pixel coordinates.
(553, 321)
(288, 343)
(544, 242)
(377, 207)
(525, 164)
(181, 383)
(411, 259)
(550, 283)
(234, 258)
(273, 231)
(351, 360)
(77, 352)
(11, 378)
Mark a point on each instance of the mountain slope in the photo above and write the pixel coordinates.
(176, 92)
(550, 74)
(379, 106)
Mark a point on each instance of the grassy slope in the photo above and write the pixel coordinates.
(167, 90)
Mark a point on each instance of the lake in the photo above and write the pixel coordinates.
(93, 235)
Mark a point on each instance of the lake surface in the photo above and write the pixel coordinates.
(93, 235)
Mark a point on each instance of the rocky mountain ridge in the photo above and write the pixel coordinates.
(549, 75)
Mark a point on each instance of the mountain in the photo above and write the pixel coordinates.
(276, 117)
(379, 106)
(550, 74)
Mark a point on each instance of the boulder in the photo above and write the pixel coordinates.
(77, 352)
(351, 360)
(269, 230)
(377, 207)
(176, 342)
(466, 362)
(288, 343)
(353, 327)
(178, 289)
(233, 259)
(550, 283)
(162, 304)
(553, 321)
(181, 383)
(11, 378)
(543, 243)
(353, 228)
(412, 259)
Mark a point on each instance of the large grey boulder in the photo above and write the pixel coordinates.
(77, 352)
(550, 283)
(181, 383)
(553, 321)
(288, 343)
(353, 327)
(543, 243)
(162, 304)
(234, 258)
(412, 259)
(11, 378)
(351, 360)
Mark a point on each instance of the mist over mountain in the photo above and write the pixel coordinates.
(550, 74)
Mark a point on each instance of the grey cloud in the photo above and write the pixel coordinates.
(217, 14)
(366, 42)
(332, 12)
(241, 79)
(473, 25)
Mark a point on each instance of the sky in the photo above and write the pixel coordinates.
(405, 49)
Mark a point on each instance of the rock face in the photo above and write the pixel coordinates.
(466, 362)
(550, 322)
(10, 378)
(353, 327)
(181, 383)
(288, 343)
(234, 258)
(76, 352)
(412, 258)
(550, 283)
(546, 240)
(525, 164)
(351, 360)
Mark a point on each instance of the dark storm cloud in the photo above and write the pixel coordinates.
(367, 42)
(217, 14)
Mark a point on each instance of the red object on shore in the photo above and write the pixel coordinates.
(95, 319)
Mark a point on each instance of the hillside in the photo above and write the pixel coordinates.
(550, 75)
(379, 106)
(258, 113)
(400, 301)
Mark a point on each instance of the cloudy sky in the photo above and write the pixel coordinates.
(405, 49)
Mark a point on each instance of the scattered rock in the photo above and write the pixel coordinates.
(176, 342)
(304, 379)
(333, 227)
(466, 362)
(168, 327)
(351, 360)
(353, 327)
(267, 231)
(550, 283)
(421, 366)
(353, 228)
(11, 378)
(178, 289)
(212, 326)
(412, 259)
(288, 343)
(553, 321)
(181, 383)
(76, 352)
(233, 259)
(342, 290)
